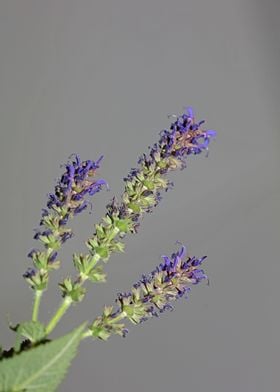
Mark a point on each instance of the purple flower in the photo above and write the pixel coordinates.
(74, 185)
(52, 257)
(29, 273)
(70, 198)
(70, 194)
(65, 236)
(197, 275)
(184, 137)
(32, 253)
(153, 293)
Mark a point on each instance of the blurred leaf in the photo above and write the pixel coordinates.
(41, 368)
(32, 330)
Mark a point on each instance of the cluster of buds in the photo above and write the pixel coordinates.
(69, 199)
(151, 295)
(143, 189)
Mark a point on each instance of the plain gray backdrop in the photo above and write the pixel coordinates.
(100, 77)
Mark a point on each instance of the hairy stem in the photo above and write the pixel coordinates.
(36, 304)
(58, 315)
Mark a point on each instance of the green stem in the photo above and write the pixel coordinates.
(87, 334)
(93, 262)
(58, 315)
(120, 317)
(36, 305)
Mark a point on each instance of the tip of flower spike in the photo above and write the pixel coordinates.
(182, 252)
(75, 158)
(189, 112)
(73, 187)
(98, 161)
(211, 133)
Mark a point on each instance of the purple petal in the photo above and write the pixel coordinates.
(182, 252)
(211, 132)
(190, 112)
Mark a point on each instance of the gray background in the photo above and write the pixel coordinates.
(100, 77)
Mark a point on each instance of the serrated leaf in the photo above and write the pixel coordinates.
(41, 368)
(32, 330)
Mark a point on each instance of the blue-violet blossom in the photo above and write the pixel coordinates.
(151, 295)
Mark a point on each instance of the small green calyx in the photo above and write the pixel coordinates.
(103, 251)
(149, 185)
(134, 207)
(50, 241)
(38, 280)
(98, 331)
(41, 261)
(72, 290)
(103, 243)
(108, 324)
(134, 312)
(51, 221)
(124, 225)
(81, 262)
(97, 275)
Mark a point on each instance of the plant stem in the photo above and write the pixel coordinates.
(58, 315)
(36, 305)
(87, 334)
(66, 303)
(120, 317)
(94, 261)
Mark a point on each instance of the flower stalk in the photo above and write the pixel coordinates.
(36, 304)
(58, 315)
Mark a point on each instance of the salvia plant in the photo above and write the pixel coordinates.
(38, 363)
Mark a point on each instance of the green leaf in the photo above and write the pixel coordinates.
(32, 330)
(42, 368)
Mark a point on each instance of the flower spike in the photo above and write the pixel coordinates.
(69, 199)
(151, 295)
